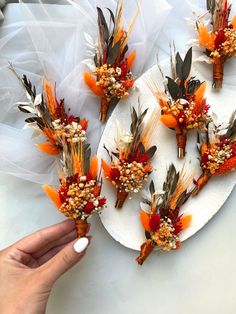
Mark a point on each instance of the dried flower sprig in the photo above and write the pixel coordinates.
(47, 115)
(131, 161)
(217, 148)
(219, 39)
(112, 77)
(163, 221)
(183, 103)
(80, 185)
(80, 181)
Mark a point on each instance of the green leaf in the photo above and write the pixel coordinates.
(187, 64)
(141, 148)
(112, 15)
(134, 120)
(38, 120)
(173, 88)
(179, 65)
(102, 24)
(143, 115)
(151, 151)
(231, 131)
(152, 188)
(113, 53)
(23, 109)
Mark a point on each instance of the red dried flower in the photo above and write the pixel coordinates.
(102, 201)
(114, 174)
(63, 194)
(88, 208)
(124, 69)
(182, 119)
(143, 158)
(178, 226)
(205, 158)
(154, 222)
(71, 119)
(89, 177)
(220, 38)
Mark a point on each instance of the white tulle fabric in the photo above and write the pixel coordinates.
(43, 40)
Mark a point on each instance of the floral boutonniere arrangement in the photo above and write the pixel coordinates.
(217, 149)
(131, 161)
(219, 39)
(47, 115)
(112, 78)
(183, 104)
(162, 219)
(78, 196)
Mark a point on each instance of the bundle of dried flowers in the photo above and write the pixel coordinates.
(48, 116)
(112, 77)
(183, 104)
(80, 184)
(162, 221)
(220, 39)
(131, 161)
(217, 149)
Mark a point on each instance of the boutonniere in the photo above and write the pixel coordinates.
(218, 37)
(48, 116)
(162, 219)
(183, 103)
(112, 78)
(78, 196)
(131, 160)
(217, 148)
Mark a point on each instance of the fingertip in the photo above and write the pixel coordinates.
(81, 244)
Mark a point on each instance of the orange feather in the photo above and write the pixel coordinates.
(228, 165)
(199, 93)
(204, 148)
(205, 38)
(53, 195)
(93, 170)
(106, 168)
(48, 148)
(130, 59)
(145, 220)
(91, 83)
(168, 120)
(185, 221)
(49, 135)
(50, 97)
(96, 190)
(233, 22)
(84, 124)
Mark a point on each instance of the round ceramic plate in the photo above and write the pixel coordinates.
(123, 224)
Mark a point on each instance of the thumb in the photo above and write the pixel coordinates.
(65, 259)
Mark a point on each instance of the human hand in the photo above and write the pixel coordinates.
(30, 267)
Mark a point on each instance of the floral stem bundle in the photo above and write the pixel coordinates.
(217, 153)
(219, 39)
(162, 219)
(112, 78)
(131, 161)
(78, 196)
(47, 115)
(183, 104)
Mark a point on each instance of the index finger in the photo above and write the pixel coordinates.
(36, 241)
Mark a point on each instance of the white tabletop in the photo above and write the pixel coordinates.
(199, 278)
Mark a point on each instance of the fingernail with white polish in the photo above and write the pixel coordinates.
(81, 244)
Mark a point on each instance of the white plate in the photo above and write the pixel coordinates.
(124, 225)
